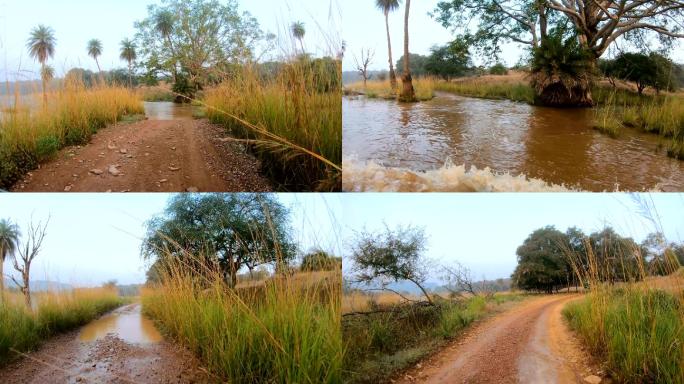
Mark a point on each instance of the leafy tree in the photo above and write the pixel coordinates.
(417, 64)
(129, 54)
(299, 31)
(498, 69)
(408, 94)
(320, 261)
(652, 70)
(391, 256)
(388, 6)
(561, 71)
(542, 265)
(95, 51)
(41, 45)
(197, 38)
(227, 230)
(450, 60)
(9, 241)
(615, 258)
(597, 24)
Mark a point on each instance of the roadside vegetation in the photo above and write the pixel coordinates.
(277, 323)
(387, 329)
(291, 119)
(30, 134)
(27, 318)
(23, 329)
(632, 315)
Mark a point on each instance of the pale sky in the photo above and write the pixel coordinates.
(93, 238)
(483, 231)
(77, 21)
(364, 27)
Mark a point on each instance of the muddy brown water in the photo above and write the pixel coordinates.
(558, 146)
(127, 323)
(168, 111)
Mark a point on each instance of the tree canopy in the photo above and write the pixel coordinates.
(198, 39)
(416, 65)
(450, 60)
(233, 231)
(391, 256)
(652, 70)
(597, 23)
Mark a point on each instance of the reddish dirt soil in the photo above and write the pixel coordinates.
(527, 344)
(110, 360)
(151, 156)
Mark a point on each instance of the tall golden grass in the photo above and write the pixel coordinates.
(285, 329)
(31, 132)
(292, 120)
(23, 329)
(636, 326)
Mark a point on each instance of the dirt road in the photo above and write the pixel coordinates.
(172, 155)
(119, 348)
(528, 344)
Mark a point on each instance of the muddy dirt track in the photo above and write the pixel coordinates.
(528, 344)
(176, 155)
(109, 358)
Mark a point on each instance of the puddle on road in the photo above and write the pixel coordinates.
(126, 323)
(168, 111)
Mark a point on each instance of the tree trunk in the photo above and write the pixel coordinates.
(26, 289)
(392, 74)
(130, 76)
(408, 94)
(45, 100)
(427, 296)
(2, 278)
(98, 65)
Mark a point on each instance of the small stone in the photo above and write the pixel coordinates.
(163, 181)
(74, 175)
(192, 190)
(173, 148)
(129, 156)
(123, 151)
(96, 171)
(592, 379)
(174, 169)
(111, 146)
(114, 170)
(67, 188)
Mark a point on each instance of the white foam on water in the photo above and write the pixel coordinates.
(358, 176)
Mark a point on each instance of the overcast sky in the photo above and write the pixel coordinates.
(77, 21)
(364, 27)
(93, 238)
(483, 231)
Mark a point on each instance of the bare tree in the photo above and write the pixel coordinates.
(362, 66)
(27, 253)
(392, 256)
(459, 280)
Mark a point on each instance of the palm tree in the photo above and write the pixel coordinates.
(164, 22)
(41, 45)
(387, 6)
(47, 73)
(9, 239)
(95, 51)
(298, 31)
(408, 93)
(128, 53)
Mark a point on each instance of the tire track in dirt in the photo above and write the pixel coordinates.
(527, 344)
(108, 360)
(151, 156)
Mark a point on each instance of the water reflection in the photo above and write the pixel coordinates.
(555, 145)
(168, 111)
(126, 323)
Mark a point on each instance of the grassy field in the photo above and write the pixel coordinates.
(292, 121)
(23, 330)
(389, 335)
(282, 330)
(31, 133)
(424, 87)
(640, 333)
(663, 116)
